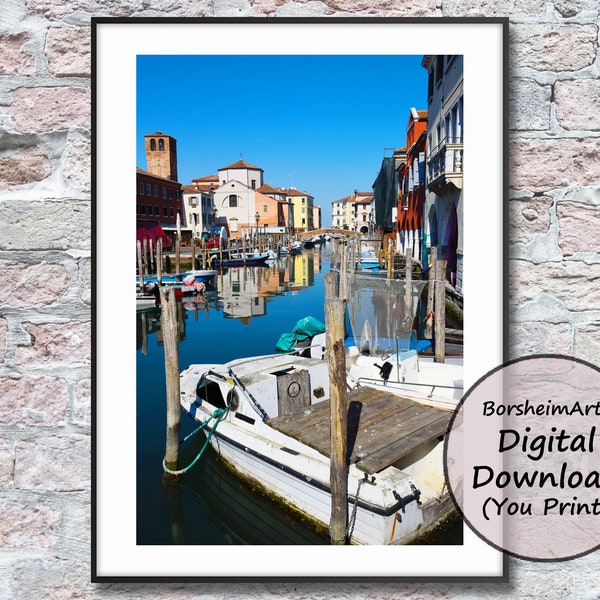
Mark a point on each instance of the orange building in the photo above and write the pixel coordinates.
(411, 180)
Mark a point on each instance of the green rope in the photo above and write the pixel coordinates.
(218, 415)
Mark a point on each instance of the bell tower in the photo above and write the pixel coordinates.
(161, 155)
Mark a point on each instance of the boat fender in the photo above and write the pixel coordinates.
(384, 370)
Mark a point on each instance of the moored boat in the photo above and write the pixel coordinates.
(273, 427)
(241, 259)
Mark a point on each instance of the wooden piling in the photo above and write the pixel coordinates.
(390, 259)
(159, 261)
(177, 256)
(193, 253)
(440, 305)
(170, 333)
(336, 356)
(140, 263)
(408, 280)
(429, 333)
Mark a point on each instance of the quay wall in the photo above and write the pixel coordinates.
(45, 269)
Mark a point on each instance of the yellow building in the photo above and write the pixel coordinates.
(303, 209)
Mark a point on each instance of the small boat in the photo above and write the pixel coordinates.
(201, 275)
(369, 259)
(243, 260)
(269, 418)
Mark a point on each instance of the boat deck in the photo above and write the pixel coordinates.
(382, 428)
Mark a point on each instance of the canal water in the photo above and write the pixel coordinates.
(245, 311)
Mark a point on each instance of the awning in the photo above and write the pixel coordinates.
(151, 230)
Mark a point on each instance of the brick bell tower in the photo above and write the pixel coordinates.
(161, 155)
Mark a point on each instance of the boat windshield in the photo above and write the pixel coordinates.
(209, 391)
(382, 314)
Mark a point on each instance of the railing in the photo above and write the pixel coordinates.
(446, 160)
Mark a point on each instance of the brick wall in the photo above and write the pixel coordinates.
(45, 274)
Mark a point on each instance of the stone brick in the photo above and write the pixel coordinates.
(45, 225)
(84, 273)
(25, 286)
(13, 60)
(569, 282)
(587, 342)
(68, 50)
(388, 7)
(27, 166)
(82, 404)
(39, 110)
(542, 47)
(56, 343)
(25, 525)
(58, 464)
(578, 227)
(77, 161)
(540, 338)
(3, 330)
(546, 164)
(528, 217)
(571, 8)
(7, 464)
(578, 104)
(529, 105)
(487, 8)
(33, 401)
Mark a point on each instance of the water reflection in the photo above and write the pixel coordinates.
(209, 505)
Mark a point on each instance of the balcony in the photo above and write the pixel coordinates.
(445, 166)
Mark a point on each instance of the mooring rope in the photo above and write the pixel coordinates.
(218, 415)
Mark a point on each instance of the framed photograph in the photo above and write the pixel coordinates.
(252, 135)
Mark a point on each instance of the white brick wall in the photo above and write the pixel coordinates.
(45, 339)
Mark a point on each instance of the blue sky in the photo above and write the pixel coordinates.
(317, 123)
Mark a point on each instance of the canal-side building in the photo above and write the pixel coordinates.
(355, 212)
(303, 209)
(197, 209)
(158, 193)
(411, 186)
(443, 223)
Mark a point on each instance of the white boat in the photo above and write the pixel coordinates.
(401, 370)
(273, 427)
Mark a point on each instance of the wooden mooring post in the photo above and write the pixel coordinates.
(336, 355)
(140, 263)
(159, 261)
(168, 322)
(440, 305)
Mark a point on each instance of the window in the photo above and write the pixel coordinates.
(142, 189)
(233, 201)
(157, 211)
(153, 145)
(265, 208)
(142, 209)
(170, 194)
(149, 209)
(171, 209)
(161, 145)
(148, 189)
(165, 212)
(164, 192)
(253, 184)
(156, 191)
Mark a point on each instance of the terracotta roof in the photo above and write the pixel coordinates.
(293, 192)
(196, 188)
(422, 114)
(148, 174)
(207, 178)
(240, 164)
(267, 189)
